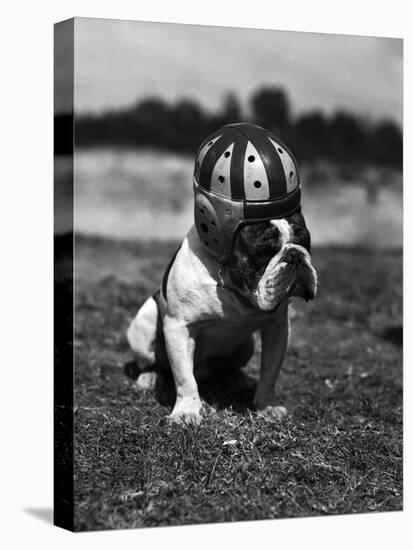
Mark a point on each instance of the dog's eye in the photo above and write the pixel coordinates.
(269, 237)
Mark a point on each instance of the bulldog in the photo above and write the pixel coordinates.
(205, 314)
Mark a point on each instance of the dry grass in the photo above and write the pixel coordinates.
(339, 450)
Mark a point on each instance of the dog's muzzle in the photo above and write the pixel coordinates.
(287, 274)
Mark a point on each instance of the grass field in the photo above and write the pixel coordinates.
(338, 451)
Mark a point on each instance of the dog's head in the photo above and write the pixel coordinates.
(270, 261)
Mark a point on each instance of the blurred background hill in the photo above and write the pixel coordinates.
(180, 127)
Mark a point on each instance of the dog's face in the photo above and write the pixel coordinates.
(270, 260)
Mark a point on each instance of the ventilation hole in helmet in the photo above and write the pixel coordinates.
(215, 241)
(227, 154)
(202, 211)
(209, 144)
(257, 184)
(291, 174)
(204, 227)
(229, 212)
(280, 150)
(251, 158)
(221, 179)
(212, 223)
(197, 165)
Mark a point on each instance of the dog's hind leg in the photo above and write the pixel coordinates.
(141, 335)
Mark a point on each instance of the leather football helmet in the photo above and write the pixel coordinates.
(243, 173)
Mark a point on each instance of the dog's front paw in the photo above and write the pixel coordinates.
(272, 411)
(187, 410)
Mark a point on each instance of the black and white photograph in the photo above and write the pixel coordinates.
(228, 278)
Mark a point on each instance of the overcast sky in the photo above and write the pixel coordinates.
(120, 62)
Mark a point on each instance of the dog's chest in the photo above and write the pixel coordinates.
(225, 324)
(221, 336)
(218, 316)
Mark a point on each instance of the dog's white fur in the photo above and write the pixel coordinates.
(204, 317)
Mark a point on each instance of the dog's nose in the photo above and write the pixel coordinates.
(292, 256)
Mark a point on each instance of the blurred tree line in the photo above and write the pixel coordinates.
(341, 137)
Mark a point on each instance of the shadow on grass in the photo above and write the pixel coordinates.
(232, 388)
(393, 334)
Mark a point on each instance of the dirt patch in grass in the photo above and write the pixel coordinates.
(339, 450)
